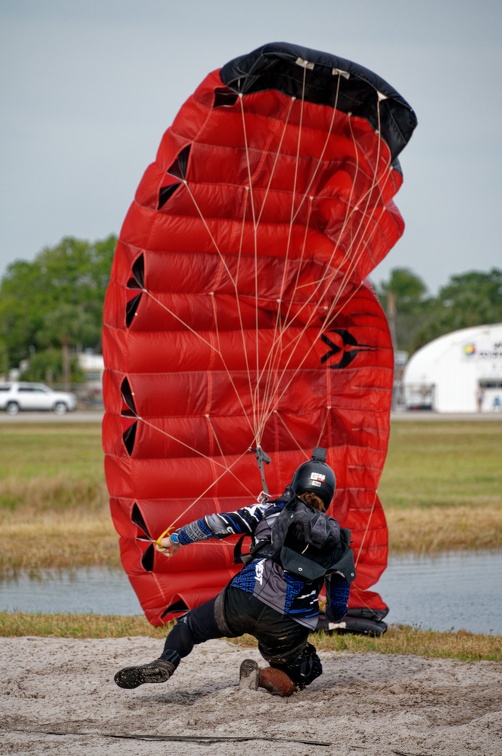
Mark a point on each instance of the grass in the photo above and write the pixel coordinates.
(443, 464)
(441, 490)
(397, 640)
(53, 498)
(442, 486)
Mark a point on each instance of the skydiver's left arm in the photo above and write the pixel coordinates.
(337, 596)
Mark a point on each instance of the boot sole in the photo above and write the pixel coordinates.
(133, 677)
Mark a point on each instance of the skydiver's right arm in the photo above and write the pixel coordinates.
(221, 525)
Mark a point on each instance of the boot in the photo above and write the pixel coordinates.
(249, 675)
(158, 671)
(277, 682)
(274, 680)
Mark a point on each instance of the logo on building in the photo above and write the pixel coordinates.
(469, 350)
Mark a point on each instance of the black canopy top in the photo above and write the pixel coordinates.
(325, 79)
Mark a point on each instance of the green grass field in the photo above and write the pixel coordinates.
(441, 490)
(443, 464)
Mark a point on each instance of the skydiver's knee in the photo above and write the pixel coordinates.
(304, 668)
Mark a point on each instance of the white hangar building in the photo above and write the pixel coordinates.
(458, 372)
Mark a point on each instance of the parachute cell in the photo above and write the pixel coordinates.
(238, 317)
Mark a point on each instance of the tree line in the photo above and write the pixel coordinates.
(51, 308)
(415, 317)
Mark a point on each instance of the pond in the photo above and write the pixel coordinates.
(455, 591)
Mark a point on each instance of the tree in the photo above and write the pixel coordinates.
(46, 366)
(468, 299)
(73, 273)
(67, 326)
(4, 360)
(403, 296)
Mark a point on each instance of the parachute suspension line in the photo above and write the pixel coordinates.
(360, 231)
(236, 291)
(325, 147)
(179, 441)
(264, 412)
(229, 374)
(180, 320)
(281, 324)
(298, 149)
(285, 323)
(267, 405)
(353, 259)
(234, 284)
(372, 218)
(210, 234)
(215, 349)
(304, 65)
(352, 263)
(370, 516)
(215, 437)
(256, 393)
(262, 370)
(321, 432)
(326, 280)
(271, 365)
(278, 414)
(307, 194)
(276, 160)
(260, 424)
(296, 286)
(228, 469)
(256, 218)
(361, 238)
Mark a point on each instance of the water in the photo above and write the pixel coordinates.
(455, 591)
(95, 590)
(448, 592)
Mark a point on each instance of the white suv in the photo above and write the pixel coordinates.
(34, 396)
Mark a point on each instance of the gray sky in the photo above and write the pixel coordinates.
(88, 87)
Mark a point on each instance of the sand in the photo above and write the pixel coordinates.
(58, 696)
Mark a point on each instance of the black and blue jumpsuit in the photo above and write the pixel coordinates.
(278, 608)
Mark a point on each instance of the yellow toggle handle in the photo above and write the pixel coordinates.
(166, 532)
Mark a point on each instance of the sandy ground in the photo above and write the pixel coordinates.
(59, 696)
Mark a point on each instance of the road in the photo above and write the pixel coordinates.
(96, 416)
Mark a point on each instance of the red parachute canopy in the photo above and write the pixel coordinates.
(237, 317)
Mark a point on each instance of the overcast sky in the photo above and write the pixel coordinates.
(89, 86)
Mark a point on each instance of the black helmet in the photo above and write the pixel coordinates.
(315, 477)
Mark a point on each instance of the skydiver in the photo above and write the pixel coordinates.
(269, 598)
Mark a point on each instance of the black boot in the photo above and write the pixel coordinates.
(157, 671)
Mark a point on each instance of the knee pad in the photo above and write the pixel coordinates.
(304, 668)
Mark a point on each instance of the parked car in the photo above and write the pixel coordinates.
(15, 397)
